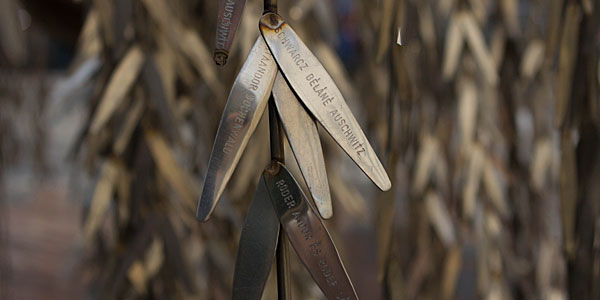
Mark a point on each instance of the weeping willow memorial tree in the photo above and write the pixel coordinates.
(486, 115)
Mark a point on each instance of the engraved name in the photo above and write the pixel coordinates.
(301, 223)
(315, 250)
(341, 296)
(347, 131)
(291, 50)
(326, 271)
(247, 104)
(238, 123)
(290, 202)
(314, 247)
(260, 72)
(320, 90)
(285, 193)
(225, 25)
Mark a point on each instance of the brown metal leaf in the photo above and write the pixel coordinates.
(137, 275)
(467, 111)
(385, 29)
(188, 42)
(106, 11)
(179, 179)
(474, 174)
(566, 61)
(89, 44)
(445, 6)
(568, 192)
(12, 38)
(498, 45)
(494, 186)
(101, 200)
(541, 163)
(132, 119)
(554, 26)
(452, 48)
(120, 83)
(385, 229)
(427, 29)
(425, 161)
(452, 268)
(532, 59)
(510, 12)
(192, 45)
(440, 219)
(476, 42)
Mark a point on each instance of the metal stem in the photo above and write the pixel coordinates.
(271, 5)
(281, 254)
(277, 154)
(275, 133)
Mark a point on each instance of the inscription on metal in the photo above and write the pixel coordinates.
(315, 87)
(228, 20)
(245, 106)
(307, 234)
(302, 133)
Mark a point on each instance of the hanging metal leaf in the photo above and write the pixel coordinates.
(318, 92)
(302, 133)
(307, 234)
(256, 249)
(245, 106)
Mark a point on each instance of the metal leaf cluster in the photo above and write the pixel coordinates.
(487, 113)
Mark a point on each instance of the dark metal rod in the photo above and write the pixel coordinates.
(281, 254)
(275, 133)
(277, 153)
(271, 5)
